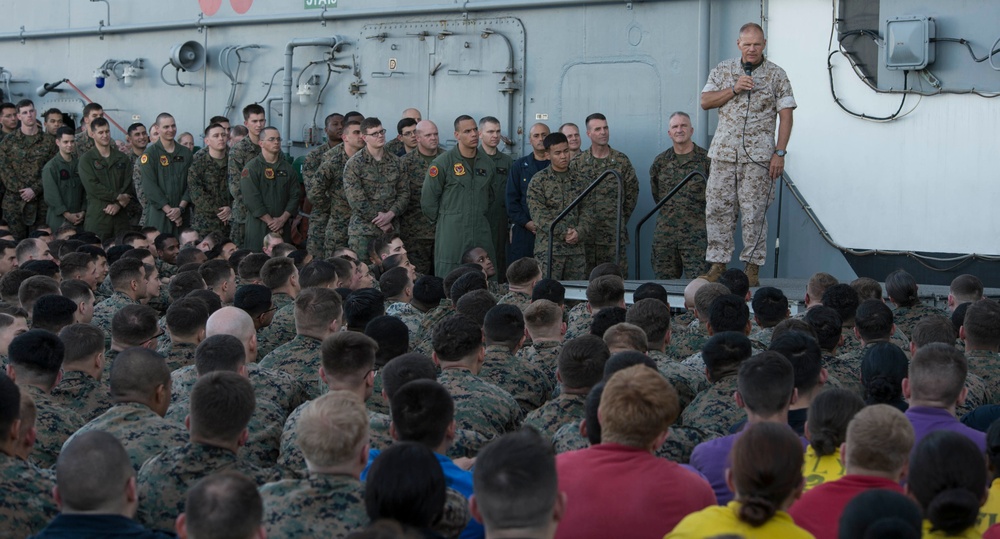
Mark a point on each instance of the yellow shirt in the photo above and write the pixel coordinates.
(817, 470)
(989, 513)
(971, 533)
(721, 520)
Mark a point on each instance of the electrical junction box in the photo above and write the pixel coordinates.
(908, 43)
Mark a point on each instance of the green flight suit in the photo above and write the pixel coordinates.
(164, 180)
(104, 178)
(268, 189)
(62, 190)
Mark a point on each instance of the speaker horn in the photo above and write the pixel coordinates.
(189, 56)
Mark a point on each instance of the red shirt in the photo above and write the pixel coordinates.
(818, 511)
(614, 490)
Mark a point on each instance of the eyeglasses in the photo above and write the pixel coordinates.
(379, 133)
(155, 337)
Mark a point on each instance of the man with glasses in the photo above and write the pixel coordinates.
(375, 187)
(271, 189)
(330, 181)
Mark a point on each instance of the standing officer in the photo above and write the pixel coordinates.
(61, 185)
(271, 191)
(239, 155)
(23, 153)
(415, 227)
(375, 188)
(107, 179)
(164, 169)
(208, 184)
(523, 229)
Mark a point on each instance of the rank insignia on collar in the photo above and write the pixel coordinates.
(144, 159)
(164, 160)
(459, 169)
(433, 171)
(269, 173)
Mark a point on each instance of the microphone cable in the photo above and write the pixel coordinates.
(748, 70)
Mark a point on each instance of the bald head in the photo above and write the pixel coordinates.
(412, 113)
(690, 290)
(536, 136)
(236, 322)
(427, 137)
(93, 475)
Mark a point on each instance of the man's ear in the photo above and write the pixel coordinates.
(906, 388)
(180, 526)
(474, 509)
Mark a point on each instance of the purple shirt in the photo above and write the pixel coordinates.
(926, 420)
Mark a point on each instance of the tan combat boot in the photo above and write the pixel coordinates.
(753, 274)
(714, 272)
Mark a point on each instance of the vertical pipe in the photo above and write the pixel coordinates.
(704, 48)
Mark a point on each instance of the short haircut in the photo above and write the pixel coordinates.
(276, 272)
(829, 414)
(581, 361)
(429, 290)
(363, 306)
(465, 284)
(590, 408)
(605, 318)
(637, 406)
(406, 368)
(125, 270)
(136, 373)
(348, 356)
(225, 504)
(10, 403)
(332, 429)
(770, 306)
(343, 268)
(818, 284)
(369, 123)
(394, 281)
(766, 469)
(541, 314)
(219, 353)
(456, 337)
(966, 288)
(251, 109)
(52, 312)
(933, 328)
(651, 291)
(937, 374)
(879, 438)
(594, 116)
(724, 352)
(215, 272)
(826, 324)
(873, 320)
(255, 299)
(948, 477)
(843, 299)
(605, 291)
(38, 353)
(653, 316)
(35, 287)
(10, 284)
(729, 312)
(91, 473)
(982, 324)
(766, 382)
(74, 265)
(133, 325)
(391, 335)
(805, 355)
(316, 309)
(404, 123)
(45, 268)
(476, 304)
(958, 317)
(523, 271)
(626, 336)
(554, 138)
(91, 107)
(249, 268)
(221, 405)
(515, 481)
(463, 118)
(867, 288)
(736, 281)
(421, 411)
(623, 360)
(902, 288)
(706, 296)
(549, 289)
(186, 316)
(504, 324)
(76, 290)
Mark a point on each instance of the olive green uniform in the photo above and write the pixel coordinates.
(164, 181)
(268, 189)
(62, 190)
(104, 178)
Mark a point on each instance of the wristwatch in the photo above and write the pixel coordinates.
(780, 153)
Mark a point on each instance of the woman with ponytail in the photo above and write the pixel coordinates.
(883, 367)
(948, 479)
(826, 428)
(766, 475)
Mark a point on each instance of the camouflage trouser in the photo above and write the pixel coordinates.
(421, 254)
(564, 267)
(598, 254)
(14, 212)
(205, 225)
(733, 188)
(359, 244)
(336, 233)
(238, 225)
(316, 240)
(675, 254)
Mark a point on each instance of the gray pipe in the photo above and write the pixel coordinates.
(705, 43)
(286, 86)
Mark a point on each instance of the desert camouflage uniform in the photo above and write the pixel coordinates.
(545, 355)
(714, 409)
(330, 180)
(409, 315)
(527, 383)
(26, 505)
(104, 179)
(164, 180)
(416, 229)
(319, 198)
(687, 343)
(579, 320)
(518, 299)
(557, 412)
(906, 318)
(301, 358)
(986, 365)
(549, 193)
(264, 443)
(291, 462)
(105, 311)
(738, 133)
(373, 186)
(141, 430)
(280, 331)
(21, 160)
(480, 405)
(687, 381)
(846, 375)
(62, 190)
(240, 155)
(83, 394)
(272, 386)
(323, 505)
(209, 188)
(54, 425)
(680, 239)
(599, 206)
(164, 480)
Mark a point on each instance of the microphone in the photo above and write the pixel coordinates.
(748, 69)
(48, 87)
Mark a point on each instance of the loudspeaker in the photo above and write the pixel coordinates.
(189, 56)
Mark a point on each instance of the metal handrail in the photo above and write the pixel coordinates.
(656, 208)
(576, 202)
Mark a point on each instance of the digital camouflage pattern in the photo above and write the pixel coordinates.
(565, 408)
(280, 331)
(408, 314)
(518, 299)
(568, 438)
(680, 239)
(714, 409)
(761, 338)
(687, 343)
(545, 355)
(319, 198)
(986, 365)
(240, 154)
(54, 425)
(906, 318)
(600, 245)
(209, 188)
(272, 386)
(578, 321)
(301, 358)
(105, 311)
(431, 318)
(687, 381)
(681, 441)
(415, 227)
(528, 384)
(83, 394)
(164, 178)
(62, 190)
(22, 158)
(26, 505)
(480, 405)
(142, 432)
(323, 505)
(372, 186)
(330, 183)
(847, 375)
(549, 193)
(264, 443)
(292, 463)
(164, 480)
(140, 195)
(83, 142)
(179, 355)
